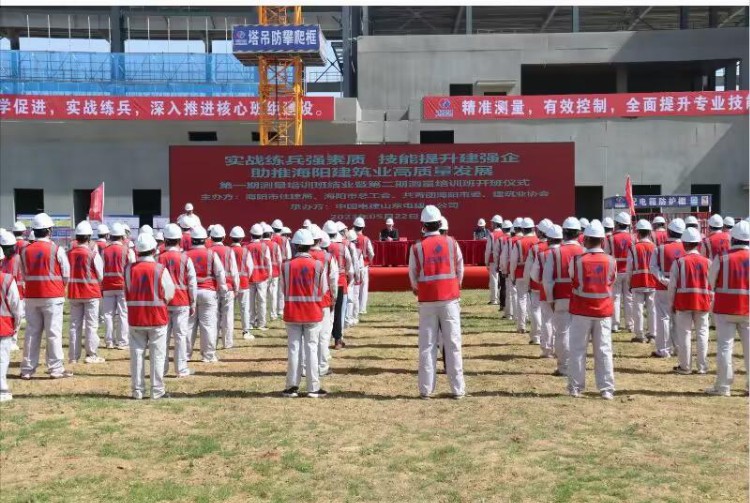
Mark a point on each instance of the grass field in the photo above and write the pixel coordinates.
(229, 436)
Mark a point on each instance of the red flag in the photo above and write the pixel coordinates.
(629, 196)
(96, 208)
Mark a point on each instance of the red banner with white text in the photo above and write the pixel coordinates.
(242, 185)
(149, 108)
(590, 106)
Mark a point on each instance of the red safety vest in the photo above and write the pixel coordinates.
(275, 262)
(302, 282)
(144, 295)
(101, 244)
(12, 265)
(541, 259)
(618, 245)
(337, 251)
(20, 245)
(593, 277)
(362, 243)
(523, 246)
(42, 271)
(7, 322)
(732, 284)
(640, 254)
(209, 243)
(666, 254)
(495, 236)
(355, 253)
(437, 276)
(581, 238)
(325, 258)
(186, 241)
(161, 248)
(261, 271)
(115, 258)
(510, 242)
(561, 257)
(83, 282)
(177, 264)
(660, 236)
(693, 292)
(537, 250)
(240, 255)
(716, 244)
(203, 262)
(226, 255)
(281, 241)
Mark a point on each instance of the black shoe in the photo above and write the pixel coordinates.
(321, 393)
(655, 354)
(557, 373)
(292, 392)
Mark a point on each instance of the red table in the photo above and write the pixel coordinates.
(396, 253)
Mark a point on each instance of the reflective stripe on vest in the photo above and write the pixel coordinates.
(724, 288)
(157, 301)
(7, 321)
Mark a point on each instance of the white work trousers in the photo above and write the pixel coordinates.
(205, 319)
(115, 309)
(84, 319)
(684, 323)
(536, 316)
(21, 304)
(46, 318)
(664, 323)
(258, 301)
(303, 337)
(352, 308)
(226, 318)
(155, 339)
(621, 291)
(5, 344)
(644, 301)
(547, 339)
(494, 290)
(243, 297)
(364, 290)
(178, 330)
(324, 341)
(727, 328)
(599, 331)
(273, 294)
(440, 322)
(561, 325)
(510, 298)
(522, 304)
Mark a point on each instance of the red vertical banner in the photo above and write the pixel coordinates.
(96, 208)
(629, 196)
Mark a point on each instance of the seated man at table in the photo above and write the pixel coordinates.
(390, 233)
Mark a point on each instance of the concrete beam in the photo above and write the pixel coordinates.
(469, 20)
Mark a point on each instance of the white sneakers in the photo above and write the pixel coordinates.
(608, 395)
(94, 359)
(246, 335)
(6, 397)
(717, 392)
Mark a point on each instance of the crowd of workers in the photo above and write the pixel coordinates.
(563, 285)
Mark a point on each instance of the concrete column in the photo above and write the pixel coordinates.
(713, 17)
(744, 75)
(684, 17)
(469, 20)
(576, 26)
(15, 64)
(117, 44)
(365, 20)
(209, 60)
(622, 79)
(730, 77)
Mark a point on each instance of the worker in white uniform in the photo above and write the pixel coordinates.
(116, 256)
(12, 265)
(535, 308)
(189, 218)
(490, 258)
(343, 258)
(232, 277)
(245, 270)
(260, 253)
(148, 290)
(518, 254)
(46, 273)
(319, 252)
(364, 244)
(210, 276)
(729, 277)
(277, 304)
(436, 271)
(661, 266)
(274, 248)
(352, 310)
(10, 321)
(642, 282)
(510, 285)
(502, 277)
(547, 335)
(618, 245)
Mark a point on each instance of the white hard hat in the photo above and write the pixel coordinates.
(359, 222)
(286, 230)
(159, 236)
(146, 242)
(218, 232)
(677, 225)
(340, 226)
(336, 238)
(31, 237)
(594, 230)
(19, 226)
(388, 221)
(481, 222)
(172, 231)
(542, 225)
(623, 218)
(102, 229)
(126, 226)
(316, 232)
(741, 231)
(691, 220)
(528, 223)
(584, 222)
(84, 228)
(118, 230)
(303, 237)
(507, 224)
(256, 230)
(189, 207)
(306, 223)
(659, 220)
(554, 231)
(443, 224)
(497, 219)
(518, 222)
(208, 229)
(2, 254)
(277, 224)
(430, 213)
(330, 227)
(198, 232)
(572, 223)
(42, 221)
(7, 239)
(643, 225)
(325, 241)
(608, 223)
(728, 222)
(691, 235)
(237, 232)
(183, 222)
(351, 235)
(715, 221)
(267, 229)
(146, 229)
